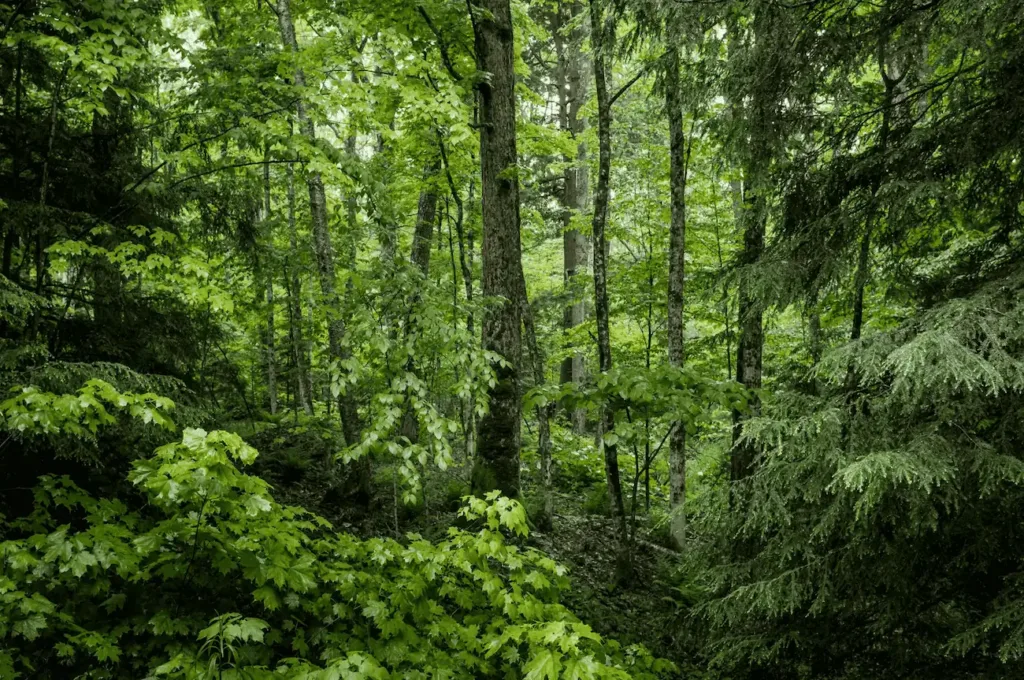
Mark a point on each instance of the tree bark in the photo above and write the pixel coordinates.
(753, 214)
(544, 521)
(571, 96)
(425, 212)
(863, 256)
(600, 222)
(751, 340)
(300, 357)
(466, 267)
(271, 358)
(497, 461)
(321, 235)
(678, 158)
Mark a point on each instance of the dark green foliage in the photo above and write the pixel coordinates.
(163, 289)
(126, 594)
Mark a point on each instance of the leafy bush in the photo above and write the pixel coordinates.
(213, 578)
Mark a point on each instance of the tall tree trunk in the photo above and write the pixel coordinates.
(546, 518)
(271, 355)
(604, 347)
(571, 96)
(497, 461)
(321, 235)
(751, 332)
(466, 267)
(754, 210)
(44, 185)
(890, 84)
(300, 357)
(11, 234)
(426, 210)
(678, 158)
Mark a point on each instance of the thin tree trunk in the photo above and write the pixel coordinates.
(678, 153)
(303, 390)
(497, 461)
(324, 253)
(726, 315)
(814, 326)
(321, 235)
(571, 96)
(600, 221)
(469, 407)
(11, 235)
(545, 520)
(863, 257)
(271, 355)
(420, 256)
(44, 184)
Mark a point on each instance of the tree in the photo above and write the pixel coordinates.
(322, 246)
(497, 461)
(568, 35)
(679, 157)
(601, 33)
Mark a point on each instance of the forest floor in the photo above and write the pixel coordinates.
(641, 610)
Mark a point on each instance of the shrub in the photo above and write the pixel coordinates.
(214, 578)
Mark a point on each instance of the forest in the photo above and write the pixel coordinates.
(512, 339)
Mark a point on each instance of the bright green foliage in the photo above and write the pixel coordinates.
(157, 238)
(32, 411)
(125, 594)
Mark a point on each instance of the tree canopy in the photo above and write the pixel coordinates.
(578, 339)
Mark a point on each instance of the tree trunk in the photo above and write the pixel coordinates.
(425, 213)
(10, 234)
(497, 461)
(571, 96)
(890, 83)
(759, 119)
(466, 267)
(751, 340)
(546, 518)
(604, 348)
(678, 158)
(271, 358)
(321, 235)
(299, 356)
(814, 326)
(44, 185)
